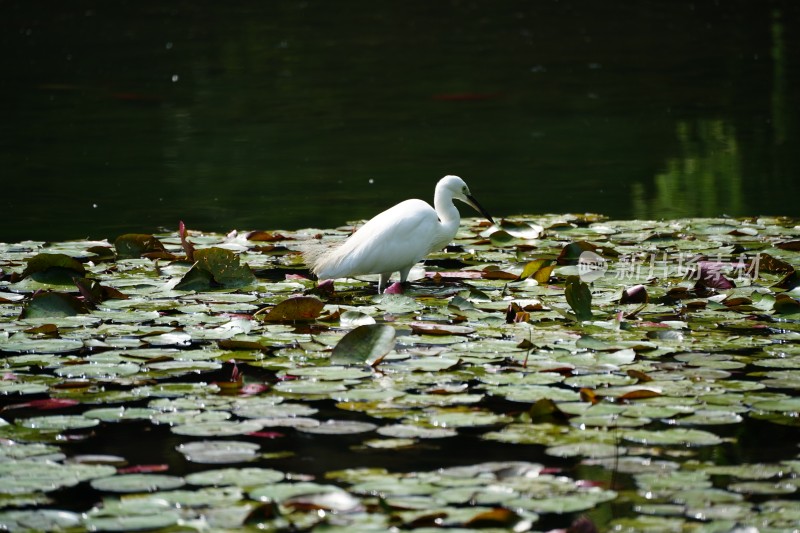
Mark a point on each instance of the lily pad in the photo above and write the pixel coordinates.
(133, 245)
(218, 428)
(296, 309)
(132, 522)
(137, 483)
(215, 268)
(367, 344)
(57, 269)
(39, 520)
(242, 477)
(53, 305)
(219, 452)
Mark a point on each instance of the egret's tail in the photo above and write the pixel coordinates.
(323, 259)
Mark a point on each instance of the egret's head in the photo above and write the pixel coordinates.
(456, 187)
(458, 190)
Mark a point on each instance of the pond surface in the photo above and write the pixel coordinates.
(204, 381)
(127, 117)
(130, 116)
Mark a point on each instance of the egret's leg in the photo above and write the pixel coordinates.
(383, 281)
(404, 274)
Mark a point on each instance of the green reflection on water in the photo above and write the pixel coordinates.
(704, 179)
(126, 117)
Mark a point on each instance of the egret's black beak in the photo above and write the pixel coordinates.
(474, 203)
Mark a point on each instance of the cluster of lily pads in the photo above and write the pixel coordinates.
(622, 357)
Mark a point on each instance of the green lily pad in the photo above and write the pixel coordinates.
(579, 298)
(408, 431)
(241, 477)
(219, 452)
(339, 427)
(218, 428)
(682, 437)
(137, 483)
(397, 304)
(44, 346)
(279, 492)
(97, 370)
(134, 245)
(215, 268)
(119, 414)
(366, 344)
(58, 422)
(29, 475)
(53, 305)
(132, 522)
(56, 269)
(39, 520)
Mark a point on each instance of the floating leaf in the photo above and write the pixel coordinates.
(634, 295)
(295, 309)
(279, 492)
(396, 303)
(132, 245)
(39, 520)
(242, 477)
(364, 345)
(214, 268)
(571, 253)
(218, 428)
(502, 238)
(709, 274)
(58, 422)
(339, 427)
(428, 328)
(579, 298)
(539, 269)
(682, 437)
(132, 522)
(57, 269)
(218, 452)
(418, 432)
(53, 304)
(786, 305)
(95, 293)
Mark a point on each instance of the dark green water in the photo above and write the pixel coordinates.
(129, 116)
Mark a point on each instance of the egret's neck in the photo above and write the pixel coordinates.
(447, 212)
(449, 218)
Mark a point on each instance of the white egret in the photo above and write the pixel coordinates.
(396, 239)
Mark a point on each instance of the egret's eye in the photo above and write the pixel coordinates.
(465, 190)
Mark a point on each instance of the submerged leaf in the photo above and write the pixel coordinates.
(366, 344)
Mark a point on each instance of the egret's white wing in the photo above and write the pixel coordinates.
(392, 240)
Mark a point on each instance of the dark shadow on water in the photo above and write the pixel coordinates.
(127, 117)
